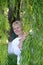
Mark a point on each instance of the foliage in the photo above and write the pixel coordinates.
(32, 17)
(3, 55)
(4, 25)
(31, 14)
(4, 28)
(6, 59)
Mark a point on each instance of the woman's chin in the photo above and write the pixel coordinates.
(17, 34)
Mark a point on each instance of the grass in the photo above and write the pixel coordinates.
(6, 59)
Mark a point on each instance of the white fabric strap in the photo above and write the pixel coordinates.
(18, 59)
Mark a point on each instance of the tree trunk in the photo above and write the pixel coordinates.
(10, 17)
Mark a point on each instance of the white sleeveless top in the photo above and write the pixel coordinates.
(13, 47)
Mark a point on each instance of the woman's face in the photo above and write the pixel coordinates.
(17, 29)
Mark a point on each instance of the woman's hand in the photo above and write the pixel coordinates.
(23, 37)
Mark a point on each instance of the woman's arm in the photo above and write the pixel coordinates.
(23, 37)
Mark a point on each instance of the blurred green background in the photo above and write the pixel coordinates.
(30, 12)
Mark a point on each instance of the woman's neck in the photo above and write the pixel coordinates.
(20, 35)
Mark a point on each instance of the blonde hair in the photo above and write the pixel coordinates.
(17, 22)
